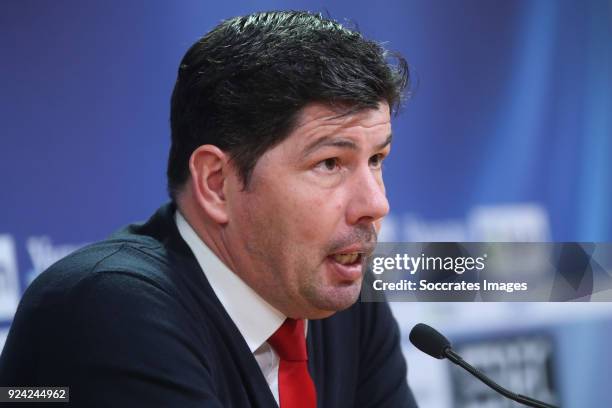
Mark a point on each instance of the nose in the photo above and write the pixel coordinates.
(368, 200)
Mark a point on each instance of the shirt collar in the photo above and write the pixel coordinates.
(255, 318)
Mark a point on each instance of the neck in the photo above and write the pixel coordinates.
(208, 231)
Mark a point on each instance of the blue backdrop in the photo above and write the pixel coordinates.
(506, 136)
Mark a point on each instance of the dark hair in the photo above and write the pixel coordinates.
(242, 85)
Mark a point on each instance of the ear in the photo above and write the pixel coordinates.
(209, 169)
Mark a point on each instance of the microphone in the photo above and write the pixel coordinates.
(432, 342)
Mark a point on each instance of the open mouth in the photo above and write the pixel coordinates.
(351, 258)
(347, 267)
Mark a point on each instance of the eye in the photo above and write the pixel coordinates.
(377, 160)
(328, 165)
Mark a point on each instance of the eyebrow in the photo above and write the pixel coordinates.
(341, 143)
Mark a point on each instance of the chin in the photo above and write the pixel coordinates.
(335, 300)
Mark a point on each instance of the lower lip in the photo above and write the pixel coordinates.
(350, 272)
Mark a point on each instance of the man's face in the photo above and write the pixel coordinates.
(300, 233)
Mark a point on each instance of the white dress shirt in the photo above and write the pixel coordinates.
(255, 318)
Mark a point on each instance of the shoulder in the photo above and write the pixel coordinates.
(110, 288)
(147, 253)
(109, 297)
(144, 260)
(109, 318)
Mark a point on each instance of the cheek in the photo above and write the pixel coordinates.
(316, 217)
(302, 216)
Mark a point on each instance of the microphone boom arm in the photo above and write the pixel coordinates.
(521, 399)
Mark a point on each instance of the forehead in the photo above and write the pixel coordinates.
(317, 120)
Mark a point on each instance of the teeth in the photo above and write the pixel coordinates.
(346, 259)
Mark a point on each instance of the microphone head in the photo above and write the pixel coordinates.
(429, 341)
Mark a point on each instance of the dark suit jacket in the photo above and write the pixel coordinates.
(132, 321)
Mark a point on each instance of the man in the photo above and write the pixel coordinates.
(280, 124)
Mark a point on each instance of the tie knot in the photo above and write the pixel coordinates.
(289, 341)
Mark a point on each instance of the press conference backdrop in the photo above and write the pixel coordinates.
(506, 137)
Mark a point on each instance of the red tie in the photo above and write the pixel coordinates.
(295, 387)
